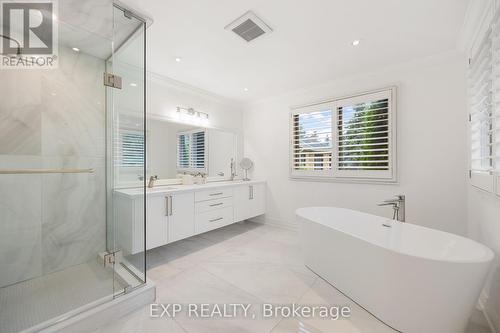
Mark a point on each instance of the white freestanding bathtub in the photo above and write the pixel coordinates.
(413, 278)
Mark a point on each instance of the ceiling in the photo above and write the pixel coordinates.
(311, 42)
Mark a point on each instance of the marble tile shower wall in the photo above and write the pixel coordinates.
(52, 119)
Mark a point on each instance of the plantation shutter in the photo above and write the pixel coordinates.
(364, 135)
(481, 115)
(192, 151)
(183, 151)
(349, 138)
(198, 151)
(131, 152)
(312, 140)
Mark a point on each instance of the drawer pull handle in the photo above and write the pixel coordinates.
(217, 204)
(215, 220)
(218, 193)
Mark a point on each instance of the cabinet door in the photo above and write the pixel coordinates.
(181, 218)
(241, 203)
(257, 200)
(156, 223)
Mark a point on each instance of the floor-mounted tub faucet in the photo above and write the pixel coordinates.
(398, 205)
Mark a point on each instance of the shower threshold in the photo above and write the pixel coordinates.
(54, 301)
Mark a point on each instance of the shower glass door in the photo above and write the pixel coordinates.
(127, 142)
(56, 229)
(52, 174)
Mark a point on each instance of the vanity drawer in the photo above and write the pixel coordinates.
(215, 193)
(213, 219)
(208, 205)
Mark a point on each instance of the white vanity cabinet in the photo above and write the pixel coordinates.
(183, 211)
(214, 209)
(157, 226)
(169, 218)
(249, 201)
(181, 216)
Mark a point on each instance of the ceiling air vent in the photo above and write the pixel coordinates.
(249, 26)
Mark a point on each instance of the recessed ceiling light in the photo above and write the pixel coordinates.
(245, 89)
(355, 42)
(178, 59)
(133, 84)
(76, 49)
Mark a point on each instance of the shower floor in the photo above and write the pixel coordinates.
(31, 302)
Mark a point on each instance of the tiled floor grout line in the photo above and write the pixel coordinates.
(180, 325)
(230, 283)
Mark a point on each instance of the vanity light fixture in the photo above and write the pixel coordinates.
(192, 113)
(192, 116)
(356, 42)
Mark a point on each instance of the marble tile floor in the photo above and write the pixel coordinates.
(244, 263)
(31, 302)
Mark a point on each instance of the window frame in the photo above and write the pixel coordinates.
(487, 179)
(352, 176)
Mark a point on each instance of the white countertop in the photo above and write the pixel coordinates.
(171, 189)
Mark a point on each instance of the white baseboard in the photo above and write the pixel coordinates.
(481, 305)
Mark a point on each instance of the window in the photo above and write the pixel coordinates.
(350, 138)
(484, 108)
(192, 151)
(131, 154)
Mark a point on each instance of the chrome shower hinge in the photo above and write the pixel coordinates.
(109, 259)
(113, 81)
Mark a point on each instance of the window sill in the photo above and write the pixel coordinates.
(345, 180)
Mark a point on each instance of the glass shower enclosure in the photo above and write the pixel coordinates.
(70, 136)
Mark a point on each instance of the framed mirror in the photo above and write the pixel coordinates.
(177, 148)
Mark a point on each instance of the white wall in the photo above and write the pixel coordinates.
(484, 208)
(484, 226)
(431, 141)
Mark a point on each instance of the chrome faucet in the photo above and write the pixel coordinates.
(152, 180)
(398, 205)
(233, 169)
